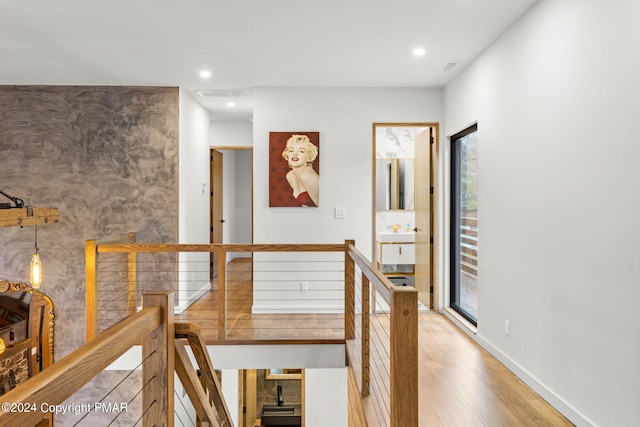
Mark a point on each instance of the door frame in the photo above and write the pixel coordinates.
(221, 148)
(434, 302)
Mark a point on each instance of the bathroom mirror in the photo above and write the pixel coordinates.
(394, 184)
(395, 154)
(283, 374)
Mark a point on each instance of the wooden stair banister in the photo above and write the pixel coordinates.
(214, 389)
(189, 379)
(59, 381)
(403, 342)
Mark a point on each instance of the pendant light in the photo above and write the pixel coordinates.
(36, 265)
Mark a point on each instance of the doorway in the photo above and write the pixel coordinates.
(404, 205)
(231, 203)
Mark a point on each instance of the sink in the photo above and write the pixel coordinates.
(286, 415)
(278, 410)
(401, 237)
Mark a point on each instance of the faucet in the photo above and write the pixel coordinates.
(279, 396)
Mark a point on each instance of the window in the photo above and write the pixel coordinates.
(464, 224)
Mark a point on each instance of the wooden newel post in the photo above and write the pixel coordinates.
(222, 295)
(158, 355)
(91, 295)
(132, 279)
(349, 292)
(366, 336)
(404, 357)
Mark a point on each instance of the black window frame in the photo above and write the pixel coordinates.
(454, 228)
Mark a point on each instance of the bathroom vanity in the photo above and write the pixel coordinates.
(395, 252)
(285, 415)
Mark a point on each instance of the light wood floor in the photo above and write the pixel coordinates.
(242, 324)
(460, 384)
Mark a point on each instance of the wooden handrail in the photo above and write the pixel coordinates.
(155, 327)
(403, 346)
(215, 247)
(59, 381)
(130, 239)
(189, 379)
(403, 303)
(380, 282)
(93, 249)
(199, 348)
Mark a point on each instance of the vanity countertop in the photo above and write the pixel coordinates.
(391, 237)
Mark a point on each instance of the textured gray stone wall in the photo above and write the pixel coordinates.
(107, 157)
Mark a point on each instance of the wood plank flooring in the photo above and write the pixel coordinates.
(242, 324)
(461, 384)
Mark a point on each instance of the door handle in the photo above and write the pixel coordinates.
(222, 220)
(415, 229)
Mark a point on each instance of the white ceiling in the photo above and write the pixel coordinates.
(245, 43)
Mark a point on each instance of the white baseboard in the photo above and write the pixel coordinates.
(547, 394)
(193, 298)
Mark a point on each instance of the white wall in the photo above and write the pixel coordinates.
(193, 216)
(231, 134)
(194, 171)
(556, 99)
(326, 397)
(344, 118)
(231, 392)
(237, 179)
(244, 172)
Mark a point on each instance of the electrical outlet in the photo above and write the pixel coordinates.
(507, 327)
(304, 287)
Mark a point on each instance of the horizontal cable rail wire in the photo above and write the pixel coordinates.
(119, 405)
(143, 395)
(56, 384)
(240, 293)
(298, 293)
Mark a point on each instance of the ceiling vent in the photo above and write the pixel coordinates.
(448, 66)
(221, 93)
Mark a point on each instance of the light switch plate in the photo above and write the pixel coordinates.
(340, 213)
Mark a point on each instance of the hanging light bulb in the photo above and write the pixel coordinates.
(36, 265)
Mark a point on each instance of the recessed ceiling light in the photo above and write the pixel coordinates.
(231, 104)
(205, 74)
(419, 51)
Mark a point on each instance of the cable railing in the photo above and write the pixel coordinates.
(149, 402)
(281, 294)
(384, 350)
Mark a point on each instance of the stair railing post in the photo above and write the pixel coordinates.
(132, 280)
(158, 354)
(91, 295)
(222, 295)
(404, 357)
(349, 292)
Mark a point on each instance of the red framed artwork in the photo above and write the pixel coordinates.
(294, 165)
